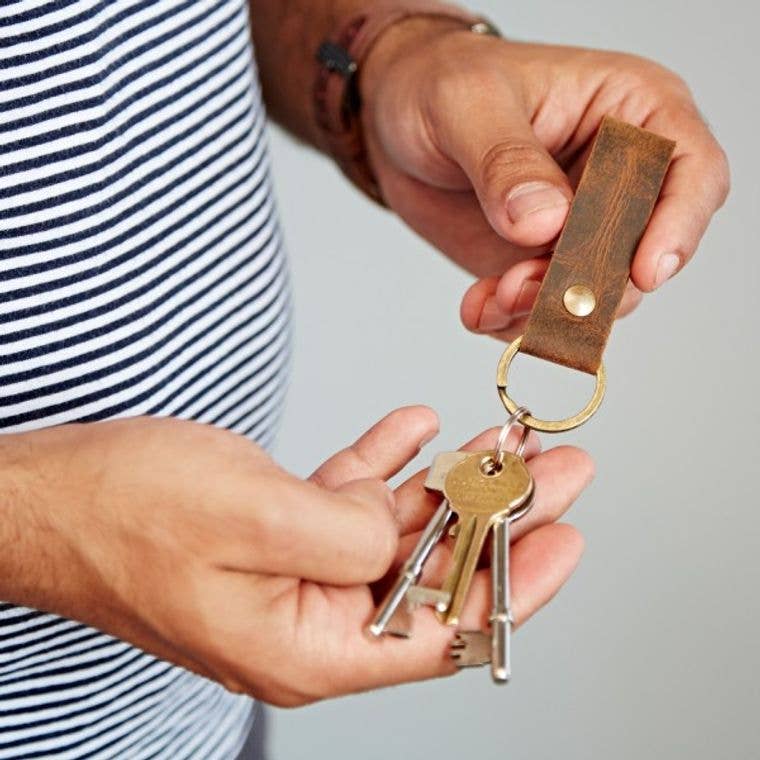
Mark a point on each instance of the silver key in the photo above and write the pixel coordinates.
(391, 617)
(473, 648)
(501, 615)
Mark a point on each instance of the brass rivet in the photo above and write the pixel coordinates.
(579, 300)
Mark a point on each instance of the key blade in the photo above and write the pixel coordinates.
(471, 649)
(432, 597)
(480, 497)
(501, 614)
(400, 624)
(473, 530)
(393, 615)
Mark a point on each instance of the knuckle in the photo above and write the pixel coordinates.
(507, 159)
(712, 179)
(382, 541)
(722, 172)
(671, 80)
(645, 72)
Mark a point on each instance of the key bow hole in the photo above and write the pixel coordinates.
(490, 466)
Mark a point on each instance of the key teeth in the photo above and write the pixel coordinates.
(458, 644)
(470, 649)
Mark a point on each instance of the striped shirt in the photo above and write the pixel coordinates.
(141, 272)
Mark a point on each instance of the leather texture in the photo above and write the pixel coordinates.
(611, 209)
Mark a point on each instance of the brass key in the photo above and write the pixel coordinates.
(480, 491)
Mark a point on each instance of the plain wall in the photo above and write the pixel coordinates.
(651, 650)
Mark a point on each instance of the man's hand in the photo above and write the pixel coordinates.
(478, 143)
(191, 543)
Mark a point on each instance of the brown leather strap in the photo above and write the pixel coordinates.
(607, 219)
(336, 97)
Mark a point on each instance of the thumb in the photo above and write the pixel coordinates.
(523, 192)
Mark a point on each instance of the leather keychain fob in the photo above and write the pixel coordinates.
(571, 320)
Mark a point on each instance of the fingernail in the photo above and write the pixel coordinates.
(531, 197)
(493, 318)
(667, 266)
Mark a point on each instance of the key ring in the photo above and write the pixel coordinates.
(546, 426)
(515, 418)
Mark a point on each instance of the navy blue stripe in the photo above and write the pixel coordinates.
(29, 641)
(260, 436)
(70, 44)
(133, 656)
(61, 670)
(98, 332)
(33, 13)
(25, 617)
(160, 669)
(277, 314)
(119, 409)
(73, 403)
(125, 406)
(131, 295)
(197, 87)
(97, 167)
(258, 372)
(80, 170)
(128, 234)
(160, 407)
(80, 148)
(60, 748)
(92, 706)
(44, 31)
(40, 391)
(132, 191)
(73, 106)
(252, 411)
(241, 332)
(117, 738)
(37, 96)
(117, 284)
(87, 634)
(55, 621)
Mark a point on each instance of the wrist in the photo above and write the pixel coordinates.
(24, 521)
(342, 58)
(38, 564)
(405, 37)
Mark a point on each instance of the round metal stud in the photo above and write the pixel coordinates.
(579, 300)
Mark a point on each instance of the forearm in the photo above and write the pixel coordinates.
(27, 568)
(287, 34)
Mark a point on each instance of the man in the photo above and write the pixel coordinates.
(143, 278)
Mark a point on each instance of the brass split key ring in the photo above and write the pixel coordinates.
(536, 423)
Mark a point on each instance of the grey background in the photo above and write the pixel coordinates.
(651, 651)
